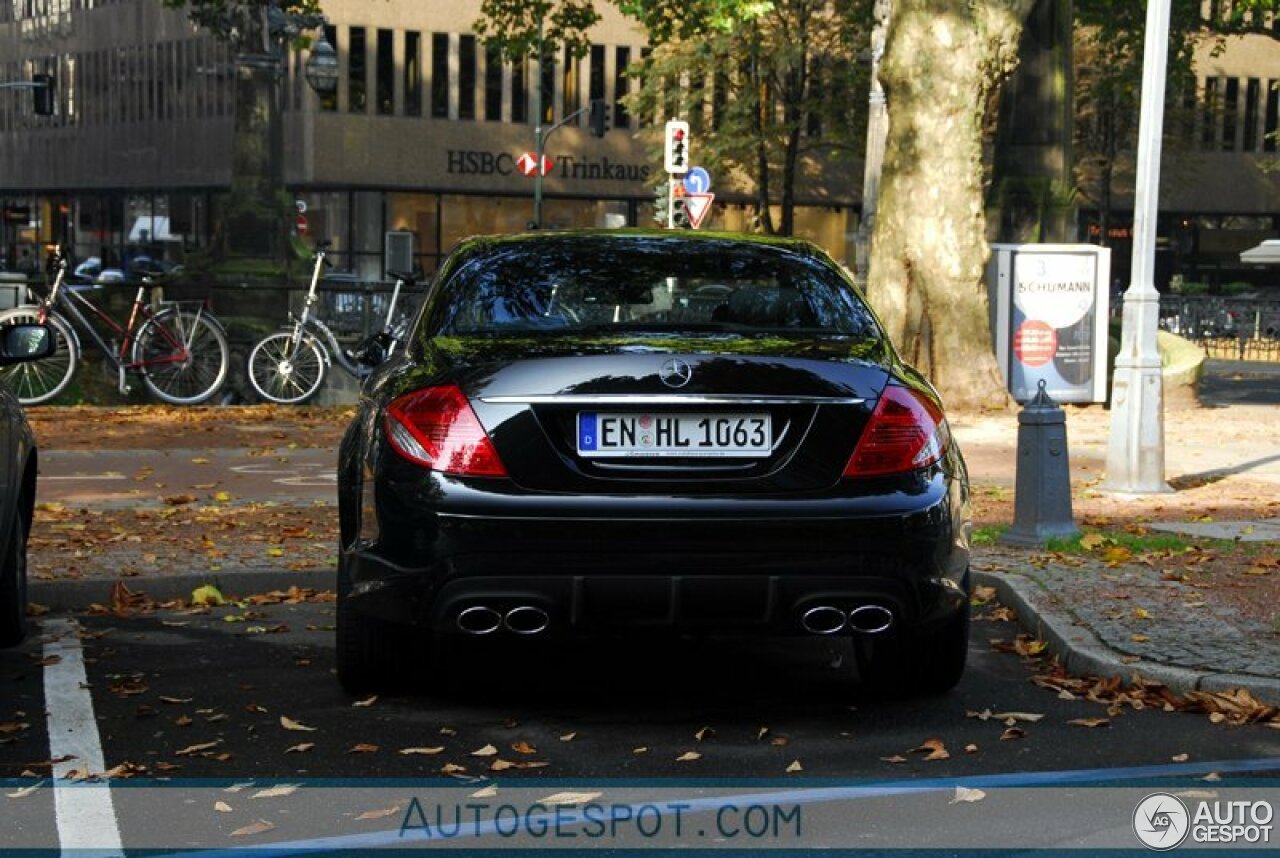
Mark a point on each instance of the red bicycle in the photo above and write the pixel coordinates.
(178, 348)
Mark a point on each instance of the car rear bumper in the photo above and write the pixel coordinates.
(600, 564)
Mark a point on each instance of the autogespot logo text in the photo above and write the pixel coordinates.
(1161, 821)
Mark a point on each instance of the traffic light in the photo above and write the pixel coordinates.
(599, 117)
(42, 94)
(676, 152)
(680, 214)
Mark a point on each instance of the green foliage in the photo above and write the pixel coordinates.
(516, 27)
(233, 20)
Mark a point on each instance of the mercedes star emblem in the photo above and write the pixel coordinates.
(675, 373)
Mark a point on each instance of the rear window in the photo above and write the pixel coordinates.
(605, 285)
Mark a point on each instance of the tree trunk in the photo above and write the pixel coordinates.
(943, 59)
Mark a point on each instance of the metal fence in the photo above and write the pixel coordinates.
(1236, 328)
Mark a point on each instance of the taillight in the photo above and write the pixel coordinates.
(436, 427)
(905, 432)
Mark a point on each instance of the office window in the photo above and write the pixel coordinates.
(1209, 122)
(467, 77)
(547, 86)
(1272, 126)
(1252, 99)
(386, 73)
(492, 84)
(1230, 113)
(595, 74)
(621, 86)
(412, 74)
(440, 75)
(569, 85)
(520, 90)
(357, 96)
(329, 101)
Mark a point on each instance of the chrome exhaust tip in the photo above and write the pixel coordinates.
(870, 619)
(526, 620)
(479, 620)
(823, 620)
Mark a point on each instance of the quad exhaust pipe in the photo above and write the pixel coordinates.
(520, 620)
(864, 619)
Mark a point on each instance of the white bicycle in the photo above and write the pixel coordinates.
(289, 366)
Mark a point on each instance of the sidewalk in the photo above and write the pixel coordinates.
(1182, 588)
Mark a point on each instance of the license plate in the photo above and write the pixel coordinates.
(673, 435)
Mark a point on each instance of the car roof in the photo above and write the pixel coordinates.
(625, 235)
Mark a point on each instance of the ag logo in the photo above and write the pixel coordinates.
(1161, 821)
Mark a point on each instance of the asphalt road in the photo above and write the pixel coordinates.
(157, 685)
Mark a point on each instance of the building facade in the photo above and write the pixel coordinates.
(422, 136)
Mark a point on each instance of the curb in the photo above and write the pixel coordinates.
(1081, 651)
(77, 595)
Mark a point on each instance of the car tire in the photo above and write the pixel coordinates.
(371, 654)
(919, 666)
(13, 584)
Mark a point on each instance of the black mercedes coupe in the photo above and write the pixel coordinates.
(606, 432)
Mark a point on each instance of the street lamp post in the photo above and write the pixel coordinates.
(1135, 451)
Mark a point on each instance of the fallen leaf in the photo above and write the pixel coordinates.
(1180, 758)
(1212, 777)
(563, 798)
(222, 497)
(486, 751)
(488, 792)
(195, 749)
(379, 814)
(1010, 717)
(1217, 717)
(277, 791)
(368, 701)
(1012, 733)
(180, 500)
(452, 769)
(933, 748)
(425, 752)
(971, 748)
(164, 699)
(1142, 614)
(200, 460)
(523, 747)
(184, 720)
(639, 750)
(24, 792)
(300, 749)
(1090, 541)
(256, 828)
(221, 807)
(207, 595)
(13, 726)
(290, 724)
(764, 731)
(362, 748)
(894, 759)
(1257, 570)
(795, 767)
(1139, 638)
(688, 757)
(568, 737)
(704, 733)
(1090, 722)
(965, 795)
(501, 766)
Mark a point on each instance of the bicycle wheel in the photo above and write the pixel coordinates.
(183, 356)
(37, 382)
(280, 373)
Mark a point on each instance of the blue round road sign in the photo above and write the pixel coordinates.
(697, 180)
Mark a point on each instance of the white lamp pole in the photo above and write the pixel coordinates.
(1135, 452)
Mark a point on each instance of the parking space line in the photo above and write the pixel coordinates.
(85, 813)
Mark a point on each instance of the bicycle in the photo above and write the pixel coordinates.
(179, 349)
(289, 366)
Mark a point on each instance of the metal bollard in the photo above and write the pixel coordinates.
(1042, 496)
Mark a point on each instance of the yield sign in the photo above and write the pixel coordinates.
(697, 205)
(528, 164)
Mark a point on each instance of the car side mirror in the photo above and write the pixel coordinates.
(26, 343)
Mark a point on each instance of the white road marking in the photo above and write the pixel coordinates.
(85, 814)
